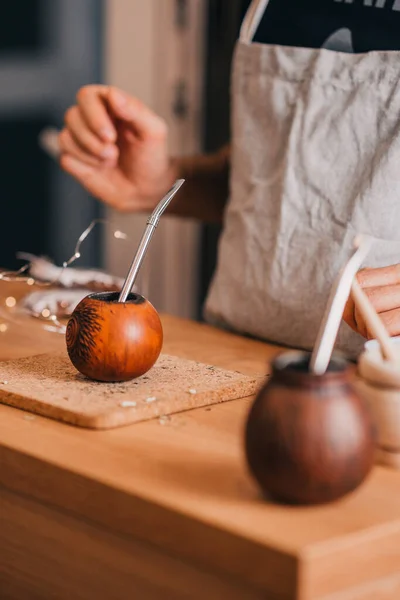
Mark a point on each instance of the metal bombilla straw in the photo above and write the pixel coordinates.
(145, 241)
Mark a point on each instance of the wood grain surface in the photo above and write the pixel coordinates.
(182, 491)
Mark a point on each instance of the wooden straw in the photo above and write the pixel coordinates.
(373, 321)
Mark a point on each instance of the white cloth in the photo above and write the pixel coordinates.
(315, 160)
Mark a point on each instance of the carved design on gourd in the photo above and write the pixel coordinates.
(80, 334)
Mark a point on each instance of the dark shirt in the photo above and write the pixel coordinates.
(342, 25)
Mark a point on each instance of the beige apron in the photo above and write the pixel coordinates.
(315, 160)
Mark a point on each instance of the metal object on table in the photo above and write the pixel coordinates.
(145, 241)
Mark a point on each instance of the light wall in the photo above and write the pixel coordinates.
(147, 55)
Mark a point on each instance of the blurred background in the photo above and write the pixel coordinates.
(175, 55)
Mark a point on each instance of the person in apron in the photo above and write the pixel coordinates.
(313, 161)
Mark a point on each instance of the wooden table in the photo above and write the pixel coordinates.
(169, 511)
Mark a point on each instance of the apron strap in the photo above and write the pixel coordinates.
(252, 20)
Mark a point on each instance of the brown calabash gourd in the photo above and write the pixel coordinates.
(116, 337)
(114, 341)
(309, 439)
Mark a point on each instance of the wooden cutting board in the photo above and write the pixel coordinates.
(50, 386)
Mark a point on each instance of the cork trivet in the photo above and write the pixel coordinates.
(49, 385)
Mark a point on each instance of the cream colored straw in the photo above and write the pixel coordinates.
(340, 292)
(373, 322)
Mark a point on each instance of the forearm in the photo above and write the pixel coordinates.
(205, 192)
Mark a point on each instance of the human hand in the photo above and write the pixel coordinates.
(382, 286)
(116, 147)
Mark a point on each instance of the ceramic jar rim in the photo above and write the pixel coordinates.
(285, 368)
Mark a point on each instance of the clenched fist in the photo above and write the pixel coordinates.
(116, 147)
(382, 286)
